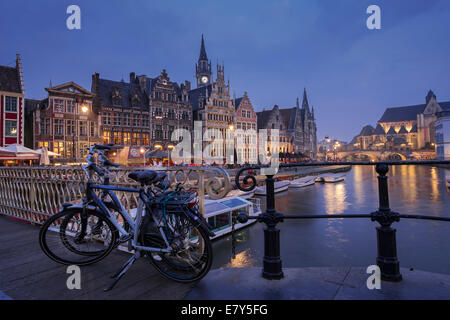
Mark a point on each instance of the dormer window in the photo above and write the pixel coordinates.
(116, 97)
(135, 99)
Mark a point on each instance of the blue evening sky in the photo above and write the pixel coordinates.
(271, 49)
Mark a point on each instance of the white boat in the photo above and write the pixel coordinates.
(330, 177)
(241, 194)
(218, 214)
(278, 186)
(237, 193)
(303, 182)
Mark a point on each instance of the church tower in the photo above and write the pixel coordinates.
(203, 68)
(305, 104)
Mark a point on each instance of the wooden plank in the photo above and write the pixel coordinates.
(27, 273)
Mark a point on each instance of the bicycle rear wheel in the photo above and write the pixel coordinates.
(74, 237)
(191, 256)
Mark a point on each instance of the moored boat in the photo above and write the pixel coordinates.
(303, 182)
(279, 186)
(330, 177)
(218, 214)
(237, 193)
(334, 177)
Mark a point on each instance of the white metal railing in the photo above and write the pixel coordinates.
(34, 193)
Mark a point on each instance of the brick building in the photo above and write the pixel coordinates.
(142, 112)
(65, 122)
(297, 127)
(212, 105)
(12, 104)
(246, 120)
(273, 120)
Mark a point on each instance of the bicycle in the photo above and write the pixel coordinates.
(168, 228)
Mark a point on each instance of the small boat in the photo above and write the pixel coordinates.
(302, 182)
(237, 193)
(278, 186)
(218, 214)
(241, 194)
(330, 177)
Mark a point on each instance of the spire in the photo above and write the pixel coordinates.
(203, 55)
(297, 104)
(430, 95)
(305, 104)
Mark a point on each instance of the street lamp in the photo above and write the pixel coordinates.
(142, 151)
(170, 147)
(85, 109)
(73, 146)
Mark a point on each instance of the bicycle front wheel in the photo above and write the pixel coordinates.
(74, 237)
(191, 256)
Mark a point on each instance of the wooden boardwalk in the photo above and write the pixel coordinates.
(27, 273)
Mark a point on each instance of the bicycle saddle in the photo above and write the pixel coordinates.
(143, 177)
(159, 177)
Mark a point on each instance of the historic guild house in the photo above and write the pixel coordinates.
(12, 104)
(141, 114)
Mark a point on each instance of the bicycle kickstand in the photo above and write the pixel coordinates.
(119, 274)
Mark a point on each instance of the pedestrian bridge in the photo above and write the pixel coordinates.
(373, 155)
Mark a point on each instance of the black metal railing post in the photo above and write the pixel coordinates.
(272, 260)
(386, 241)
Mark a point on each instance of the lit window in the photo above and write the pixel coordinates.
(58, 105)
(11, 128)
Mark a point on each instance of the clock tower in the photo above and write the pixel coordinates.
(203, 68)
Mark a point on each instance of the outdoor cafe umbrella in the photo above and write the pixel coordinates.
(157, 154)
(18, 150)
(49, 153)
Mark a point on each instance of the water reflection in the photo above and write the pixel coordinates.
(242, 260)
(334, 197)
(435, 194)
(352, 242)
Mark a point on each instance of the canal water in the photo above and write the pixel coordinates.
(423, 245)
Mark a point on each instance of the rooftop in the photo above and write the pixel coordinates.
(9, 79)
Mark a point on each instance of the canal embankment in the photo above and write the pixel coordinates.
(335, 283)
(295, 173)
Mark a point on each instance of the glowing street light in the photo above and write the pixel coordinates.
(142, 151)
(170, 147)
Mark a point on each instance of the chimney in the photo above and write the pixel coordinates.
(95, 82)
(142, 81)
(20, 72)
(132, 77)
(187, 84)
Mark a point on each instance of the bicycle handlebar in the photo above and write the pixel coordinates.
(90, 159)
